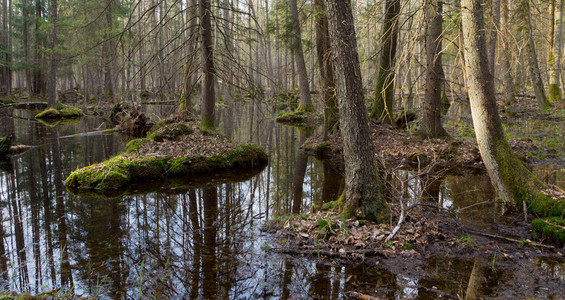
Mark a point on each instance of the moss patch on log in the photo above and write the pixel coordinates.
(5, 144)
(66, 112)
(171, 150)
(550, 229)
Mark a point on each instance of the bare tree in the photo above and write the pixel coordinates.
(510, 178)
(363, 193)
(52, 97)
(208, 86)
(296, 47)
(556, 10)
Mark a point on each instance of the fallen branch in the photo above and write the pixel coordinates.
(327, 253)
(359, 296)
(494, 236)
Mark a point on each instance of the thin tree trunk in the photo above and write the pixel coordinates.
(363, 193)
(190, 66)
(507, 81)
(511, 180)
(296, 47)
(108, 50)
(27, 60)
(327, 79)
(555, 51)
(52, 99)
(38, 86)
(431, 121)
(533, 67)
(384, 93)
(208, 89)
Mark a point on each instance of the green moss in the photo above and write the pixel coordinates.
(445, 104)
(550, 229)
(50, 113)
(67, 112)
(207, 124)
(124, 169)
(135, 144)
(554, 93)
(170, 132)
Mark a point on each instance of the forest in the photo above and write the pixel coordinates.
(282, 149)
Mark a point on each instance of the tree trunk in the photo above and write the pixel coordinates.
(190, 67)
(327, 79)
(364, 197)
(27, 60)
(52, 97)
(38, 86)
(108, 50)
(296, 47)
(384, 93)
(208, 89)
(510, 178)
(533, 67)
(555, 50)
(431, 121)
(507, 81)
(493, 35)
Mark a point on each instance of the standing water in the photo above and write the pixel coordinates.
(202, 238)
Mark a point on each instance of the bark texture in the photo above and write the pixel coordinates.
(510, 178)
(555, 51)
(431, 121)
(327, 78)
(384, 92)
(296, 47)
(52, 97)
(533, 67)
(208, 88)
(507, 80)
(364, 197)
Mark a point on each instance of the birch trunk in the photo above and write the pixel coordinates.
(555, 51)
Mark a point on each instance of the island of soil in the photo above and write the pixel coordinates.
(175, 147)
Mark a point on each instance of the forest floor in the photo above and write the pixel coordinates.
(535, 136)
(429, 231)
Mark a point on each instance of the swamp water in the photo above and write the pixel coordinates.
(203, 239)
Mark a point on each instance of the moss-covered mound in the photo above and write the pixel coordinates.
(170, 150)
(550, 229)
(299, 118)
(63, 112)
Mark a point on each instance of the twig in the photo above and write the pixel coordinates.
(360, 296)
(327, 253)
(400, 220)
(494, 236)
(479, 203)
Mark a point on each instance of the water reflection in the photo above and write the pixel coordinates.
(199, 239)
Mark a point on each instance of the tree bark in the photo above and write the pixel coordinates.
(384, 92)
(431, 121)
(533, 67)
(327, 78)
(494, 35)
(208, 86)
(507, 81)
(108, 50)
(364, 197)
(52, 97)
(190, 68)
(38, 86)
(510, 178)
(555, 50)
(296, 47)
(27, 60)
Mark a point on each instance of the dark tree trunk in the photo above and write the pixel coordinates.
(507, 81)
(327, 79)
(52, 97)
(108, 49)
(38, 85)
(364, 197)
(384, 92)
(208, 89)
(431, 121)
(296, 47)
(190, 66)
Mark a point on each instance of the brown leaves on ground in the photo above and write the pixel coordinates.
(325, 233)
(399, 145)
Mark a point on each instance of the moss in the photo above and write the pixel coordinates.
(50, 113)
(170, 132)
(303, 109)
(550, 229)
(554, 93)
(207, 124)
(67, 112)
(124, 169)
(135, 144)
(444, 103)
